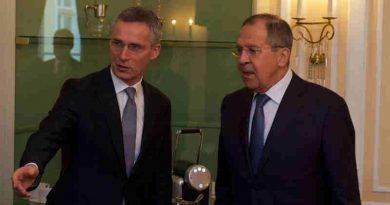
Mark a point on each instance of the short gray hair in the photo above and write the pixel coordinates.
(141, 15)
(279, 33)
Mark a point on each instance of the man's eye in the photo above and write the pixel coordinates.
(252, 51)
(134, 47)
(239, 50)
(117, 44)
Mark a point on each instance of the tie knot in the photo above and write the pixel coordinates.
(261, 99)
(130, 91)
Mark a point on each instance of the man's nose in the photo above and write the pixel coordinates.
(124, 53)
(244, 57)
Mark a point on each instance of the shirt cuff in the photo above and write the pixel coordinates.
(33, 164)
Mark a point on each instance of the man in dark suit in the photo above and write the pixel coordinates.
(283, 140)
(116, 159)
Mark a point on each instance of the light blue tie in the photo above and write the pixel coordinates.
(129, 128)
(257, 133)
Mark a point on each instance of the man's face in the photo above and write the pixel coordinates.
(131, 50)
(260, 67)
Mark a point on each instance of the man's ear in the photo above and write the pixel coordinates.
(155, 51)
(284, 57)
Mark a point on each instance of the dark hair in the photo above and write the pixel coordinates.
(139, 14)
(63, 37)
(279, 33)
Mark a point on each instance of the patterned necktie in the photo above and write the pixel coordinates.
(257, 133)
(129, 128)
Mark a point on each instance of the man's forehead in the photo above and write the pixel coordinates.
(258, 24)
(133, 27)
(127, 31)
(252, 33)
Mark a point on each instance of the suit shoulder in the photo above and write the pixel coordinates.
(155, 92)
(237, 95)
(87, 81)
(324, 94)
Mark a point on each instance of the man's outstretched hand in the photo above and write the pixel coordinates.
(23, 178)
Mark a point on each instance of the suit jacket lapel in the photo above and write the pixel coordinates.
(287, 110)
(107, 96)
(149, 120)
(244, 126)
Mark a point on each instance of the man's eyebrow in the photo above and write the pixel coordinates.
(131, 44)
(135, 44)
(246, 45)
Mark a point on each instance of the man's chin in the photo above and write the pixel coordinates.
(122, 69)
(250, 84)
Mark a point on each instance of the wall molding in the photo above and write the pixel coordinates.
(285, 6)
(356, 75)
(255, 6)
(376, 187)
(334, 49)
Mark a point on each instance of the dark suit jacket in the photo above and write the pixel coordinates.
(309, 155)
(87, 116)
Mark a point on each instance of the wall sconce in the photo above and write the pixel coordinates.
(316, 47)
(97, 26)
(316, 68)
(327, 30)
(304, 33)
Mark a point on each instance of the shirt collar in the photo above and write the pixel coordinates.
(277, 91)
(119, 85)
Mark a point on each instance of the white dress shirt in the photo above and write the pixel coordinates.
(121, 96)
(275, 93)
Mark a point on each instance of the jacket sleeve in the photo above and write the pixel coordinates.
(338, 151)
(223, 186)
(163, 172)
(53, 130)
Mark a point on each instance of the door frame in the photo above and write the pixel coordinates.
(7, 99)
